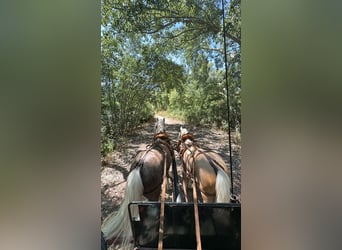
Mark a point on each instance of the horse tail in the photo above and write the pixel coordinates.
(222, 186)
(117, 224)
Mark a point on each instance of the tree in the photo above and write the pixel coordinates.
(167, 55)
(185, 19)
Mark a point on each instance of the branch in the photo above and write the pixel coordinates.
(212, 49)
(193, 38)
(235, 39)
(152, 31)
(177, 16)
(182, 32)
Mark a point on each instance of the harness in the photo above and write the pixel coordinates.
(191, 172)
(160, 138)
(163, 138)
(213, 163)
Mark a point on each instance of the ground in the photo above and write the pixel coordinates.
(116, 165)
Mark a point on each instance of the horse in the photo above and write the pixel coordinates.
(143, 182)
(206, 167)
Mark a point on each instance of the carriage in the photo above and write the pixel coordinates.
(219, 226)
(210, 218)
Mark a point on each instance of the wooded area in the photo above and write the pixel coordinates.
(168, 56)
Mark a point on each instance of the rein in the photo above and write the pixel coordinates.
(213, 163)
(191, 172)
(162, 207)
(194, 190)
(164, 139)
(161, 139)
(196, 214)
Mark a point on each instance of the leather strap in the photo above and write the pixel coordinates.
(162, 209)
(197, 224)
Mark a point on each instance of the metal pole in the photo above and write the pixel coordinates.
(227, 91)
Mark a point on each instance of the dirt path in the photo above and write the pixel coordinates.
(115, 166)
(171, 121)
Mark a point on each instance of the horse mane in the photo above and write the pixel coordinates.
(188, 142)
(163, 136)
(187, 139)
(187, 136)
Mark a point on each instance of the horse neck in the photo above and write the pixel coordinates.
(161, 135)
(189, 150)
(164, 142)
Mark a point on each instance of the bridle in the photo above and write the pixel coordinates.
(181, 141)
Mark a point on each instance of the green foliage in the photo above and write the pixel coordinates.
(203, 100)
(167, 55)
(107, 146)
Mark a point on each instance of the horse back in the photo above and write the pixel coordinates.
(151, 164)
(205, 173)
(218, 161)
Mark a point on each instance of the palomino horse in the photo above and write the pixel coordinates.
(206, 167)
(143, 182)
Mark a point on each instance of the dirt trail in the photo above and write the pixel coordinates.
(170, 121)
(115, 166)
